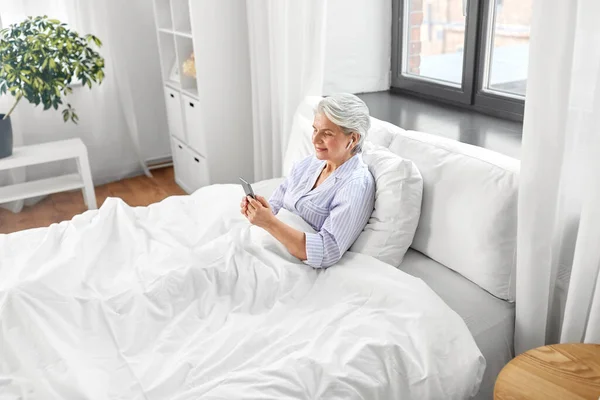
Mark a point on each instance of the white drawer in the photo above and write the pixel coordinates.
(174, 113)
(194, 125)
(191, 170)
(181, 171)
(197, 171)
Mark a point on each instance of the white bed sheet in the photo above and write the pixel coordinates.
(184, 300)
(490, 320)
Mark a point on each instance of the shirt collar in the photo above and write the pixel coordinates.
(347, 167)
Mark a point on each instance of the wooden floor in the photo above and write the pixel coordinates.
(137, 191)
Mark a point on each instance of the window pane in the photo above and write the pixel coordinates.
(508, 47)
(434, 37)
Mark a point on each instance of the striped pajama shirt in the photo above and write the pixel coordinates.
(338, 209)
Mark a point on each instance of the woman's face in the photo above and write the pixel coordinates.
(330, 141)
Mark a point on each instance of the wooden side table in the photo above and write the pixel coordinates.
(561, 371)
(44, 153)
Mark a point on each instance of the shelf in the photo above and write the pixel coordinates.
(173, 84)
(167, 31)
(40, 187)
(43, 153)
(183, 34)
(192, 92)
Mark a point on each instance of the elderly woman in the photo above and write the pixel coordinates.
(331, 190)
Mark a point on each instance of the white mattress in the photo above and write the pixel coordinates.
(489, 319)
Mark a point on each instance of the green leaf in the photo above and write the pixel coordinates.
(39, 57)
(65, 115)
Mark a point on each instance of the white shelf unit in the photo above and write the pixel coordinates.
(210, 114)
(42, 153)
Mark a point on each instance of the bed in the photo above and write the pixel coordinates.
(490, 320)
(185, 300)
(172, 302)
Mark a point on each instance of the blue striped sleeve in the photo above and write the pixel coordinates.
(276, 200)
(350, 211)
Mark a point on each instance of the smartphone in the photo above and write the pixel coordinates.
(247, 188)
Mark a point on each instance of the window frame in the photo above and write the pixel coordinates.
(471, 94)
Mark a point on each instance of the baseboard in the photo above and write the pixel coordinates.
(156, 162)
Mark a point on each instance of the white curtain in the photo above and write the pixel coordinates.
(122, 121)
(558, 258)
(287, 53)
(103, 19)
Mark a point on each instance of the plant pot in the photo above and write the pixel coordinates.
(6, 137)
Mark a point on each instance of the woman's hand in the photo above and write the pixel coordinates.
(258, 211)
(244, 206)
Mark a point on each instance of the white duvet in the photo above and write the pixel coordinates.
(185, 300)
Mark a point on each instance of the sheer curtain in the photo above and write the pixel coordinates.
(287, 54)
(558, 258)
(122, 121)
(102, 18)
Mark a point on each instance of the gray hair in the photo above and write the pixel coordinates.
(349, 113)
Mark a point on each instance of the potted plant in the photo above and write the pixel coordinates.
(40, 59)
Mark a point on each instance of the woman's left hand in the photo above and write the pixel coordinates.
(259, 212)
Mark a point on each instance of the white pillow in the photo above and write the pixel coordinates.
(469, 212)
(398, 192)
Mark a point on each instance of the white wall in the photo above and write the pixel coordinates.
(359, 46)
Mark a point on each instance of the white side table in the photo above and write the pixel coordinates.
(48, 152)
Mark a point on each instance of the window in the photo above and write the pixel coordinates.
(471, 52)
